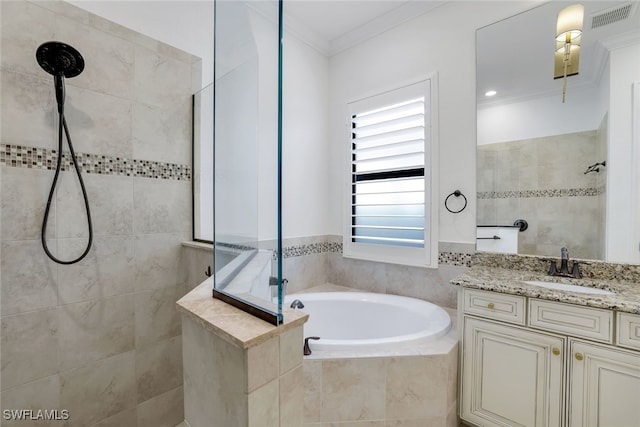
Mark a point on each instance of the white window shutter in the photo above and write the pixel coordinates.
(388, 195)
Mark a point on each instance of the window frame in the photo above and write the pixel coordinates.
(426, 256)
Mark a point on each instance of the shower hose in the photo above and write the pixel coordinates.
(62, 125)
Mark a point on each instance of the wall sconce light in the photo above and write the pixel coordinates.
(568, 38)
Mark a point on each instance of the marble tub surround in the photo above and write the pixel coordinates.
(102, 337)
(413, 385)
(394, 391)
(230, 323)
(493, 273)
(238, 369)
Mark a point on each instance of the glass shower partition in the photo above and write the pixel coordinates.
(247, 156)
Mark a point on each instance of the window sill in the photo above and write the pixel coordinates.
(198, 245)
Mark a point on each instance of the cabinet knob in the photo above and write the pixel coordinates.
(579, 356)
(556, 351)
(490, 306)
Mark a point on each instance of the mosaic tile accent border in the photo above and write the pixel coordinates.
(455, 259)
(311, 249)
(447, 258)
(525, 194)
(20, 156)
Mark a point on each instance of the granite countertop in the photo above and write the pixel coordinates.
(626, 297)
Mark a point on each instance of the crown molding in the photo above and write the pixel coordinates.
(306, 35)
(401, 14)
(584, 86)
(622, 40)
(383, 23)
(269, 11)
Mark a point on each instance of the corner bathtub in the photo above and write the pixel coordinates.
(368, 321)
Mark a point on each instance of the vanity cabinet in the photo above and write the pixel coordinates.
(530, 362)
(604, 386)
(512, 376)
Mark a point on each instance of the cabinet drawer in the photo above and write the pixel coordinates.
(577, 321)
(494, 305)
(629, 330)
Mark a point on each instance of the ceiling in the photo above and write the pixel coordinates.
(331, 19)
(515, 56)
(332, 26)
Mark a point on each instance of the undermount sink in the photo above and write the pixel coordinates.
(570, 288)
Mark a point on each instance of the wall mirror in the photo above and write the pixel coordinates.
(567, 168)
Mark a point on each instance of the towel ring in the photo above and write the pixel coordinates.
(456, 193)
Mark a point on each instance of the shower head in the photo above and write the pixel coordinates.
(59, 59)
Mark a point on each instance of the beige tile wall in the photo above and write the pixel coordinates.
(385, 392)
(315, 269)
(225, 385)
(423, 283)
(601, 185)
(100, 338)
(545, 164)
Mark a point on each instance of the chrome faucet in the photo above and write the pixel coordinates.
(564, 266)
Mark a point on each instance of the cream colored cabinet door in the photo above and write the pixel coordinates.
(604, 386)
(511, 376)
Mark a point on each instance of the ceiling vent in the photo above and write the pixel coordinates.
(611, 16)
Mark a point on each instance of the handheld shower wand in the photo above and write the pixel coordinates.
(62, 61)
(58, 82)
